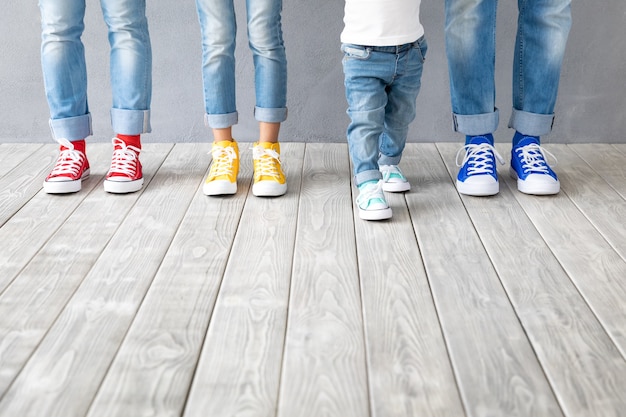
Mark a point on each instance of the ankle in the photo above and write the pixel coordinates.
(366, 183)
(517, 138)
(79, 145)
(488, 136)
(131, 140)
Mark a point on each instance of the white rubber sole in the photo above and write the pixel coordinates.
(65, 187)
(382, 214)
(396, 187)
(537, 184)
(478, 189)
(269, 189)
(219, 187)
(122, 187)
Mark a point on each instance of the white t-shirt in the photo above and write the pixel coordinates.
(382, 22)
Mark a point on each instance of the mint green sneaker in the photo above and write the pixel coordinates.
(371, 201)
(394, 180)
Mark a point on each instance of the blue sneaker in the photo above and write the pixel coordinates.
(478, 175)
(529, 167)
(371, 201)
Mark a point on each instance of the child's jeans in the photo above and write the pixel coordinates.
(218, 27)
(65, 74)
(382, 84)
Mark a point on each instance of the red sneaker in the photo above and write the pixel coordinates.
(71, 168)
(125, 175)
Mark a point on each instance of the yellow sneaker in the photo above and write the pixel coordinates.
(269, 179)
(222, 178)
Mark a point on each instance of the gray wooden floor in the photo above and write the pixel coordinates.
(170, 303)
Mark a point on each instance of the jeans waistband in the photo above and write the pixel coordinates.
(395, 49)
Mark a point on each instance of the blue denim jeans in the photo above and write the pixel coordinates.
(218, 27)
(542, 31)
(382, 84)
(65, 73)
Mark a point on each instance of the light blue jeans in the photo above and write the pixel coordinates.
(65, 73)
(542, 31)
(382, 84)
(218, 27)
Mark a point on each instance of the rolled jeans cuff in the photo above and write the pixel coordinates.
(365, 176)
(221, 121)
(71, 128)
(531, 124)
(130, 122)
(267, 115)
(476, 124)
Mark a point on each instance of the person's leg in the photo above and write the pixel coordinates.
(218, 28)
(543, 29)
(399, 113)
(367, 74)
(542, 34)
(270, 73)
(131, 83)
(470, 48)
(65, 81)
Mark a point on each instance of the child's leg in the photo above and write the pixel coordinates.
(365, 82)
(218, 29)
(131, 82)
(64, 69)
(268, 132)
(65, 80)
(400, 110)
(270, 73)
(270, 65)
(131, 65)
(367, 75)
(225, 134)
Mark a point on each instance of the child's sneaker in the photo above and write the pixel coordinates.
(529, 167)
(478, 175)
(269, 179)
(222, 178)
(70, 169)
(125, 174)
(371, 201)
(394, 180)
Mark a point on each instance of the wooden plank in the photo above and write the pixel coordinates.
(239, 368)
(591, 263)
(564, 332)
(324, 363)
(20, 184)
(34, 300)
(607, 161)
(409, 371)
(496, 369)
(24, 234)
(14, 154)
(62, 376)
(596, 198)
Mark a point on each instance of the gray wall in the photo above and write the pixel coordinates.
(590, 108)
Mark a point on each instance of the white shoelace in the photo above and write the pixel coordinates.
(478, 157)
(392, 172)
(69, 161)
(533, 158)
(222, 160)
(266, 165)
(124, 160)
